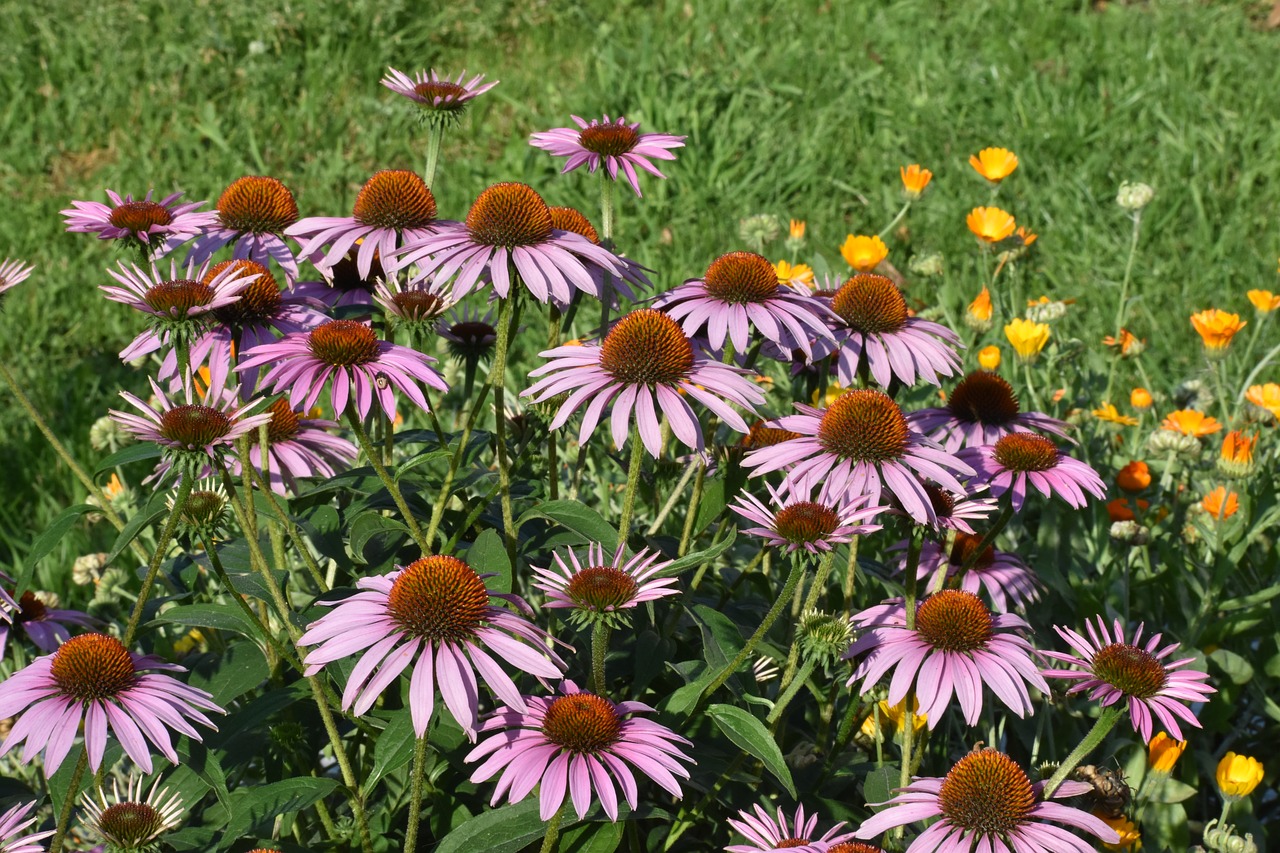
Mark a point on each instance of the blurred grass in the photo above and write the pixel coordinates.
(803, 109)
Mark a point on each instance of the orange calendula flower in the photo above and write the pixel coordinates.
(864, 253)
(1028, 338)
(994, 164)
(1134, 477)
(1163, 752)
(1236, 458)
(1220, 503)
(990, 224)
(1121, 509)
(1130, 837)
(980, 308)
(1111, 414)
(1190, 422)
(1024, 236)
(1264, 300)
(798, 276)
(1140, 398)
(796, 229)
(989, 357)
(1128, 344)
(1217, 328)
(914, 180)
(1265, 397)
(114, 488)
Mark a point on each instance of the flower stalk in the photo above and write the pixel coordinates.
(1107, 719)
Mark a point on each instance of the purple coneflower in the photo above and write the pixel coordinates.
(298, 447)
(469, 335)
(439, 97)
(767, 834)
(1022, 457)
(1009, 582)
(644, 364)
(580, 742)
(858, 445)
(982, 409)
(956, 646)
(739, 292)
(798, 520)
(1113, 669)
(394, 206)
(415, 306)
(192, 435)
(45, 626)
(510, 225)
(180, 307)
(158, 227)
(343, 283)
(130, 821)
(360, 365)
(986, 802)
(94, 678)
(435, 610)
(574, 221)
(13, 273)
(951, 511)
(603, 587)
(13, 825)
(253, 212)
(615, 143)
(874, 329)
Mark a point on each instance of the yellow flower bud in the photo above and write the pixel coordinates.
(989, 357)
(1163, 752)
(1238, 775)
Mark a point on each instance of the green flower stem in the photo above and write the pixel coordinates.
(474, 515)
(606, 237)
(437, 511)
(599, 651)
(415, 795)
(633, 482)
(554, 320)
(850, 576)
(285, 654)
(435, 134)
(290, 529)
(691, 511)
(396, 495)
(153, 569)
(1031, 386)
(553, 829)
(498, 379)
(779, 604)
(59, 448)
(909, 611)
(69, 804)
(670, 504)
(1123, 304)
(816, 589)
(989, 537)
(1107, 719)
(790, 691)
(901, 213)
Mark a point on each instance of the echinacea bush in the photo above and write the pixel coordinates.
(767, 559)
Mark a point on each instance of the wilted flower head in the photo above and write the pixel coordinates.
(927, 264)
(618, 145)
(441, 100)
(130, 821)
(994, 164)
(1134, 196)
(1046, 310)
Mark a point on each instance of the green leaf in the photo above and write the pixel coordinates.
(420, 459)
(503, 830)
(132, 453)
(223, 617)
(230, 672)
(1239, 670)
(697, 558)
(750, 735)
(393, 750)
(604, 837)
(369, 526)
(489, 554)
(577, 517)
(878, 784)
(1172, 791)
(136, 525)
(47, 541)
(721, 639)
(254, 806)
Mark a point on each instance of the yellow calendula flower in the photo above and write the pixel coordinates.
(1163, 752)
(989, 357)
(1130, 838)
(189, 643)
(864, 253)
(834, 390)
(994, 164)
(1238, 775)
(1028, 338)
(1264, 300)
(798, 276)
(891, 717)
(990, 224)
(914, 180)
(1111, 414)
(1217, 328)
(1190, 422)
(796, 229)
(1220, 503)
(1265, 397)
(1140, 398)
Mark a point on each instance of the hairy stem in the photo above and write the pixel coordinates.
(153, 569)
(633, 482)
(1109, 716)
(415, 795)
(392, 487)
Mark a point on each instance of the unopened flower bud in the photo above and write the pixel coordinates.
(88, 568)
(824, 636)
(108, 436)
(1130, 533)
(1162, 442)
(926, 264)
(1134, 195)
(758, 230)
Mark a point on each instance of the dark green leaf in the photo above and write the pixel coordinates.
(489, 554)
(1239, 670)
(132, 453)
(748, 733)
(602, 837)
(721, 639)
(420, 459)
(878, 784)
(47, 541)
(136, 525)
(369, 526)
(697, 558)
(577, 517)
(252, 807)
(223, 617)
(393, 750)
(503, 830)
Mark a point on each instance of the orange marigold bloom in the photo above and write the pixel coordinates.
(980, 308)
(1026, 237)
(915, 179)
(994, 164)
(1127, 343)
(1220, 503)
(1134, 477)
(114, 488)
(1140, 398)
(990, 224)
(1217, 327)
(1238, 447)
(1265, 397)
(989, 357)
(1264, 300)
(796, 229)
(1190, 422)
(1111, 414)
(1121, 510)
(864, 253)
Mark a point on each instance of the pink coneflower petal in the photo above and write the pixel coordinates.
(617, 145)
(158, 227)
(435, 93)
(767, 833)
(981, 409)
(602, 588)
(1019, 458)
(14, 824)
(799, 520)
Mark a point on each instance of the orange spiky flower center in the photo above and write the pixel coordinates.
(762, 435)
(582, 722)
(1024, 451)
(1130, 669)
(140, 215)
(741, 277)
(870, 303)
(509, 214)
(954, 620)
(343, 343)
(943, 502)
(985, 398)
(571, 219)
(440, 599)
(792, 843)
(284, 421)
(987, 793)
(441, 94)
(964, 547)
(418, 304)
(805, 521)
(864, 425)
(258, 302)
(601, 588)
(395, 198)
(854, 847)
(647, 347)
(177, 297)
(608, 140)
(91, 667)
(194, 426)
(257, 205)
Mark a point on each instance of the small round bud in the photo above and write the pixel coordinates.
(758, 230)
(1130, 533)
(107, 436)
(824, 636)
(88, 568)
(1162, 442)
(926, 264)
(1134, 195)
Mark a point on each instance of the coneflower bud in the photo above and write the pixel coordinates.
(824, 636)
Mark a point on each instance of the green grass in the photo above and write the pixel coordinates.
(797, 108)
